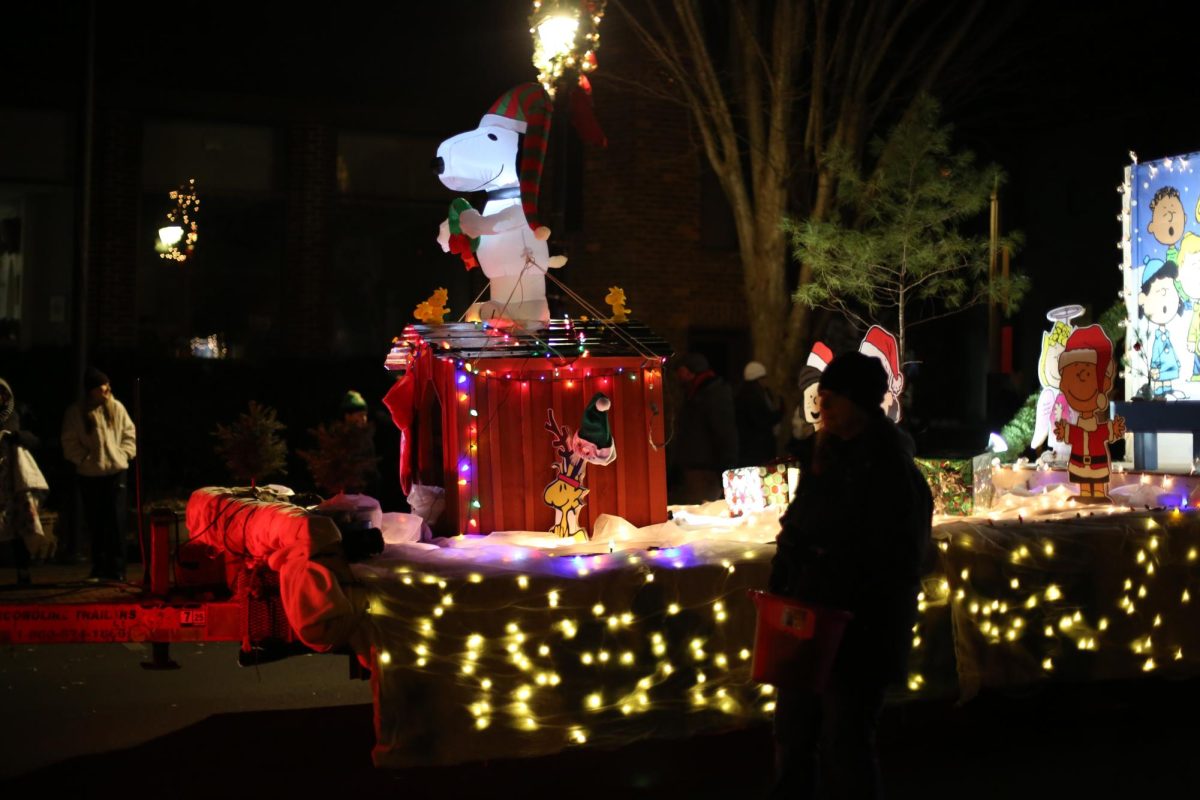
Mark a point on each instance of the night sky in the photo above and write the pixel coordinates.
(1069, 89)
(1061, 93)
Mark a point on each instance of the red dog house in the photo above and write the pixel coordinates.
(472, 405)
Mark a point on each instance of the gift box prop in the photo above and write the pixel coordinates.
(953, 483)
(479, 408)
(749, 490)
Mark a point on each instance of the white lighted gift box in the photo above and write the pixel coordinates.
(750, 490)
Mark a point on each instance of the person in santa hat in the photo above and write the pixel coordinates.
(1087, 373)
(881, 344)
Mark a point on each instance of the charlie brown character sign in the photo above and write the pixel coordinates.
(1086, 378)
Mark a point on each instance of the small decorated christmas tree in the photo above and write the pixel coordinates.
(251, 447)
(344, 459)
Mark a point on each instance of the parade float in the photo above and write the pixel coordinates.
(1067, 567)
(543, 595)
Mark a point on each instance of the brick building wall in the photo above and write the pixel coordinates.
(311, 165)
(642, 210)
(116, 203)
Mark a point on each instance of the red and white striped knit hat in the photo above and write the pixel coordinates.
(526, 109)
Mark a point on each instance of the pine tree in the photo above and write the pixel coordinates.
(251, 447)
(344, 459)
(896, 253)
(1018, 432)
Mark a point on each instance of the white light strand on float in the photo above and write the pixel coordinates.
(1131, 372)
(1064, 620)
(518, 667)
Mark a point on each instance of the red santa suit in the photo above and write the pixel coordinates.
(1089, 450)
(1087, 437)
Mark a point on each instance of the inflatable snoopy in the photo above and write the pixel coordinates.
(504, 156)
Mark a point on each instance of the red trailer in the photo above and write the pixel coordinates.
(194, 594)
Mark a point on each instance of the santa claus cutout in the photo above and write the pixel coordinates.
(1086, 374)
(881, 344)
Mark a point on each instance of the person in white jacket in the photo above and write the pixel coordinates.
(22, 486)
(99, 438)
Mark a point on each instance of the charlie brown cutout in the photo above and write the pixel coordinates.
(1086, 377)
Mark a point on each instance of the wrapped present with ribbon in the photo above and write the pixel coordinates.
(952, 482)
(749, 490)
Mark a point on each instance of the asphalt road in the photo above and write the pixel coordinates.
(89, 718)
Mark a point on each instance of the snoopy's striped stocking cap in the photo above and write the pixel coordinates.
(526, 109)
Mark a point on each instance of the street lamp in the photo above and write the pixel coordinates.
(553, 47)
(170, 235)
(180, 228)
(556, 35)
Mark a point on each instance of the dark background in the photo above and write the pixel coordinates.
(1062, 94)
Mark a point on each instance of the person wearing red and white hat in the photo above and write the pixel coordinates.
(881, 344)
(1087, 372)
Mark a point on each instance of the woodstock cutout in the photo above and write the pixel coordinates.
(504, 157)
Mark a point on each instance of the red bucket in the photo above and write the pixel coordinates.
(795, 643)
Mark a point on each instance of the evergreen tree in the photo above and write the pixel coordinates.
(1018, 431)
(344, 459)
(896, 253)
(251, 447)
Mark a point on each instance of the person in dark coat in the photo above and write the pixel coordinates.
(854, 538)
(705, 442)
(758, 415)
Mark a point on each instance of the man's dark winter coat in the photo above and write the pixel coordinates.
(855, 538)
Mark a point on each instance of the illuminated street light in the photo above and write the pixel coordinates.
(556, 36)
(170, 235)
